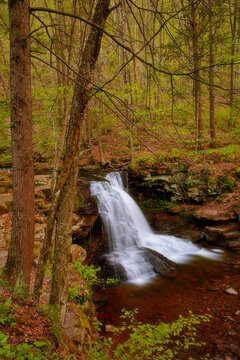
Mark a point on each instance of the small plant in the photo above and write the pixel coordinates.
(74, 295)
(36, 351)
(90, 275)
(6, 312)
(98, 350)
(162, 341)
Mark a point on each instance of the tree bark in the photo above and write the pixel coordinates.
(211, 78)
(69, 171)
(233, 24)
(19, 261)
(196, 64)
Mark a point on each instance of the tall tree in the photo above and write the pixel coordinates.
(233, 18)
(211, 77)
(19, 261)
(196, 65)
(63, 202)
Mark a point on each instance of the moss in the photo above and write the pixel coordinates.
(226, 183)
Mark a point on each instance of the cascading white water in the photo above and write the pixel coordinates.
(128, 231)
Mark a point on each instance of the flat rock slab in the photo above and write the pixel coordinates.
(225, 235)
(214, 215)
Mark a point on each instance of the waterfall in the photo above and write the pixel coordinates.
(129, 232)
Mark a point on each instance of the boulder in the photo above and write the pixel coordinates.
(77, 326)
(110, 270)
(77, 253)
(83, 226)
(224, 235)
(160, 263)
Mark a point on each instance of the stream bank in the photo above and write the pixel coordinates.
(87, 227)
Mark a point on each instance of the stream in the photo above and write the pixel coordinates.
(198, 283)
(128, 233)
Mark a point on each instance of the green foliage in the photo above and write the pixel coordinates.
(226, 183)
(4, 126)
(143, 163)
(5, 158)
(54, 317)
(90, 275)
(98, 350)
(162, 341)
(75, 296)
(36, 351)
(6, 312)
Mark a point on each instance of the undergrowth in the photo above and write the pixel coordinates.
(162, 341)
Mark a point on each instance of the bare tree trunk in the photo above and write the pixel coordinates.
(69, 171)
(62, 69)
(123, 20)
(197, 86)
(233, 23)
(99, 134)
(211, 78)
(19, 261)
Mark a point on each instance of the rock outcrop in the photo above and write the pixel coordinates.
(226, 235)
(160, 263)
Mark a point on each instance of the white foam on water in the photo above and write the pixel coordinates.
(128, 231)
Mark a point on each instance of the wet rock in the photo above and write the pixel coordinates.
(234, 244)
(160, 263)
(226, 235)
(89, 207)
(115, 271)
(109, 328)
(77, 253)
(214, 215)
(228, 318)
(83, 226)
(213, 288)
(231, 291)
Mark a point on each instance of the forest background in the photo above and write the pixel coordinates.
(180, 89)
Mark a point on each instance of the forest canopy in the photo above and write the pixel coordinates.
(167, 76)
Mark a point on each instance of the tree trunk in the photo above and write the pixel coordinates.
(69, 171)
(196, 64)
(233, 23)
(19, 261)
(211, 78)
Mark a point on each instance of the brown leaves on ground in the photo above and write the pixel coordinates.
(30, 323)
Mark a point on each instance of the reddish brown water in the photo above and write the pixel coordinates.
(199, 286)
(164, 298)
